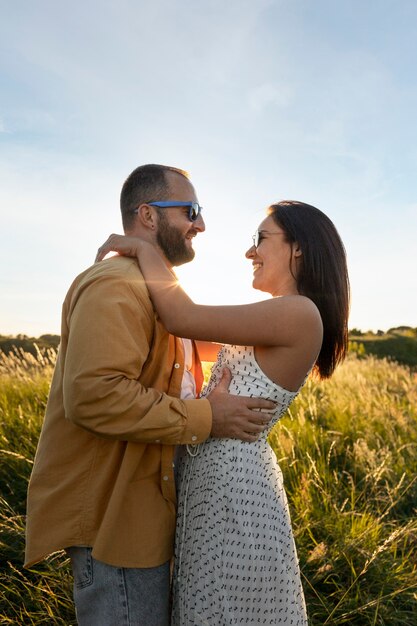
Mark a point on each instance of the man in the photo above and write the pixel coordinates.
(102, 485)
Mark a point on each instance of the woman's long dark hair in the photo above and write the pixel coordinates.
(322, 276)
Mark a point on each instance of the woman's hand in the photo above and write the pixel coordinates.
(125, 246)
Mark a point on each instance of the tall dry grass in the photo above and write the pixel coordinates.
(43, 594)
(348, 451)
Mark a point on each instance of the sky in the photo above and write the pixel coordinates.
(259, 100)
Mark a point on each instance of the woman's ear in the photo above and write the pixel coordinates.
(297, 252)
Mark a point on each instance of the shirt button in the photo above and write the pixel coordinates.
(176, 365)
(165, 478)
(193, 438)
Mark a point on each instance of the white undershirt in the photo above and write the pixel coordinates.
(188, 388)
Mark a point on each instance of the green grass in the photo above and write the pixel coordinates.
(348, 451)
(41, 595)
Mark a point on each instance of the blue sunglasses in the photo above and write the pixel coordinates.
(194, 209)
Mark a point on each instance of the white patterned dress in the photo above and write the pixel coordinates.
(235, 558)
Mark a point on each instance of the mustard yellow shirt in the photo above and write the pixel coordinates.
(103, 471)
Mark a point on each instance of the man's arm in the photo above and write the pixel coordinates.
(111, 327)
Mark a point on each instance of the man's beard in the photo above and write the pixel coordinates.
(172, 242)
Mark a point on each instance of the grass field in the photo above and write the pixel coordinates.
(348, 451)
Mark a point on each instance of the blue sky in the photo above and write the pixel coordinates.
(259, 100)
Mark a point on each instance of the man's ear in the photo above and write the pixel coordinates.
(147, 216)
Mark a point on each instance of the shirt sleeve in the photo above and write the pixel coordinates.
(110, 329)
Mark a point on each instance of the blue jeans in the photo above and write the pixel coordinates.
(118, 596)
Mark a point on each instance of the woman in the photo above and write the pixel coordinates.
(236, 561)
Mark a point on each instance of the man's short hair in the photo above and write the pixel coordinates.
(147, 183)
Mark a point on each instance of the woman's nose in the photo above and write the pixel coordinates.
(249, 254)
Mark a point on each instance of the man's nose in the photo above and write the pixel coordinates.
(199, 224)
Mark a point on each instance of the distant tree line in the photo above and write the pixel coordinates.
(29, 344)
(399, 344)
